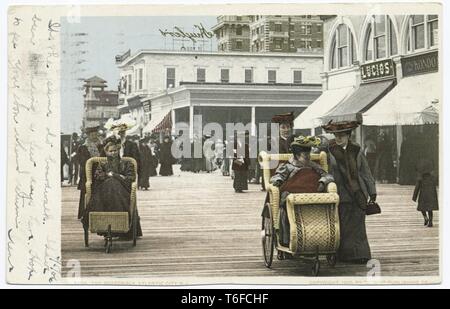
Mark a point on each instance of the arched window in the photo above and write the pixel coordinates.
(381, 40)
(343, 51)
(422, 32)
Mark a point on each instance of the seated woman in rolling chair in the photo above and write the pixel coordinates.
(111, 186)
(298, 175)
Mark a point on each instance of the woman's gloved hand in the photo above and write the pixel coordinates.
(372, 198)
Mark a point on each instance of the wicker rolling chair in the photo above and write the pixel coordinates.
(313, 217)
(110, 224)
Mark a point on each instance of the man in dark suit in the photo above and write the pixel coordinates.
(129, 148)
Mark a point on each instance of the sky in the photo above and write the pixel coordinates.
(89, 48)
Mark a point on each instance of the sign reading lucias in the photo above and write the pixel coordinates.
(377, 70)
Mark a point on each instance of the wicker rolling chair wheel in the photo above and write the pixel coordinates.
(315, 268)
(267, 238)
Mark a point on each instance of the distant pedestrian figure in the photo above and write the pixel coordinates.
(146, 161)
(425, 192)
(165, 157)
(241, 163)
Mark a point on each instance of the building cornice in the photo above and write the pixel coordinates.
(130, 59)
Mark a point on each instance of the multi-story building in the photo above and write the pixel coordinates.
(383, 71)
(269, 33)
(233, 33)
(99, 104)
(222, 87)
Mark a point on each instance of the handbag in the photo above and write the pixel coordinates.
(373, 208)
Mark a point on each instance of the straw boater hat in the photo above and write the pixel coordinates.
(123, 124)
(343, 126)
(304, 143)
(284, 118)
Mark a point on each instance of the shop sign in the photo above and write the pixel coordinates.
(377, 70)
(420, 64)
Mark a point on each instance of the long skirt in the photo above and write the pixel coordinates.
(165, 169)
(143, 179)
(112, 196)
(354, 245)
(240, 180)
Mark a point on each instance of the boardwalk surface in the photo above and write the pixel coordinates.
(195, 225)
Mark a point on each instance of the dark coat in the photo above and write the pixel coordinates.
(237, 166)
(111, 193)
(341, 173)
(355, 183)
(426, 194)
(166, 159)
(83, 155)
(146, 165)
(130, 149)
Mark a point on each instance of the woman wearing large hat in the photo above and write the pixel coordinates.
(316, 178)
(112, 184)
(356, 186)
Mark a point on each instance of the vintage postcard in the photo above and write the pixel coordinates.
(225, 144)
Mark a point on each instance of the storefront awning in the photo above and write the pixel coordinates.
(159, 123)
(310, 117)
(414, 101)
(358, 102)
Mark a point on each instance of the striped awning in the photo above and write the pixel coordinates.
(165, 124)
(159, 123)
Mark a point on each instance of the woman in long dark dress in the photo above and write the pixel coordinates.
(165, 157)
(241, 163)
(356, 186)
(111, 185)
(146, 162)
(425, 191)
(153, 158)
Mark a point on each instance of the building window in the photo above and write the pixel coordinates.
(248, 78)
(239, 45)
(319, 28)
(319, 43)
(381, 40)
(238, 18)
(291, 27)
(170, 77)
(271, 76)
(141, 76)
(303, 29)
(297, 77)
(130, 83)
(277, 27)
(422, 32)
(225, 75)
(277, 44)
(239, 30)
(308, 29)
(343, 51)
(201, 75)
(432, 26)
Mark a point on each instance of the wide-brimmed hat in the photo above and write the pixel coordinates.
(112, 140)
(343, 126)
(123, 124)
(304, 143)
(283, 118)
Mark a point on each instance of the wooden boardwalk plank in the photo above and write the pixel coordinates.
(195, 225)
